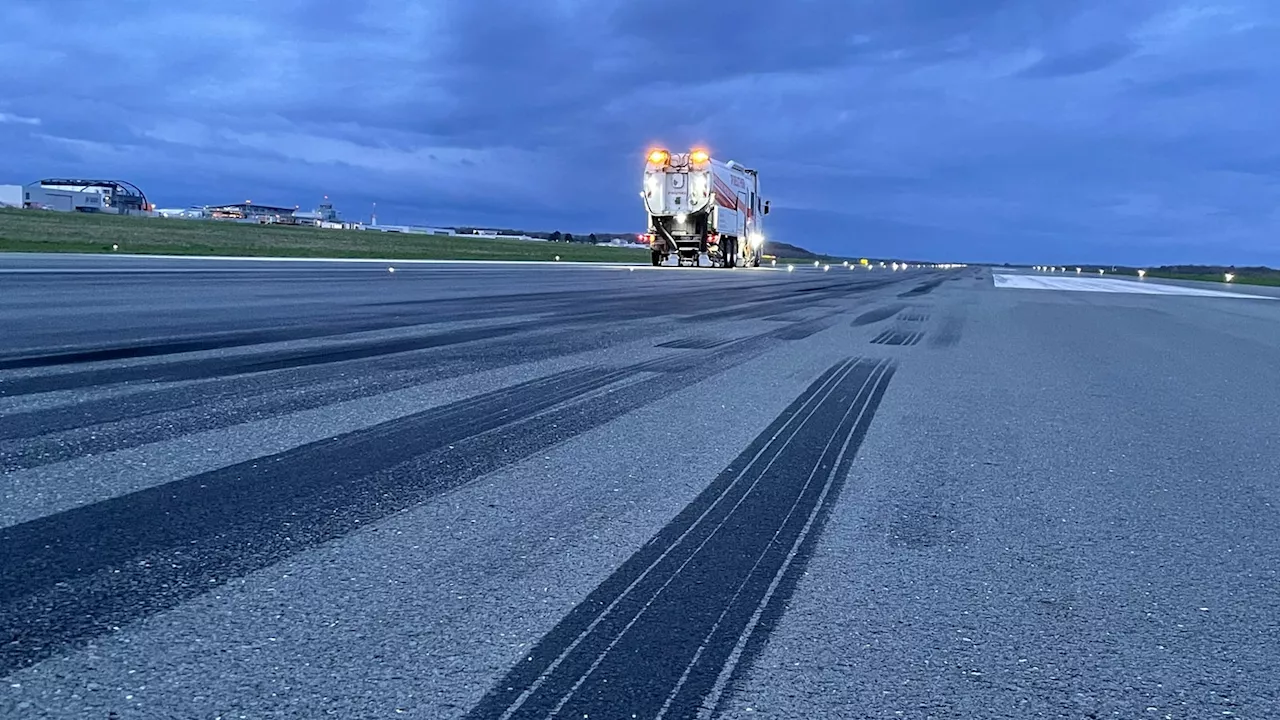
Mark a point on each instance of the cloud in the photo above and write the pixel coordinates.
(977, 130)
(1198, 82)
(18, 119)
(1089, 60)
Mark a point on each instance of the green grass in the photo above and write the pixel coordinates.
(48, 231)
(1271, 279)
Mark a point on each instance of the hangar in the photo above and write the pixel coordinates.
(76, 195)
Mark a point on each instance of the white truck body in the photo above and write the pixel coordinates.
(698, 205)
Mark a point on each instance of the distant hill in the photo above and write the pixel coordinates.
(771, 247)
(787, 250)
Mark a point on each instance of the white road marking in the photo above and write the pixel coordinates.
(318, 260)
(277, 259)
(1108, 285)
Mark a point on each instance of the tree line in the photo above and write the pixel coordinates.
(558, 236)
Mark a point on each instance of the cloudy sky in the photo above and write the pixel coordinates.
(1134, 131)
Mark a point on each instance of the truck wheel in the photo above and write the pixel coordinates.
(656, 257)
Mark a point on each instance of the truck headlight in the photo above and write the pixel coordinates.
(756, 240)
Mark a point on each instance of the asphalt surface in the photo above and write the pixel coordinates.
(303, 489)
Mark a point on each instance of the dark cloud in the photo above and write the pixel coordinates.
(975, 129)
(1089, 60)
(1198, 82)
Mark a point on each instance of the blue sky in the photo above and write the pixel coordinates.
(1134, 131)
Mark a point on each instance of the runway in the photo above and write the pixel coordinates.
(467, 490)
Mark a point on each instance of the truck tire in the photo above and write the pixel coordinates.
(656, 257)
(731, 252)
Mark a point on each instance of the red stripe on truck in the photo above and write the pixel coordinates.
(725, 196)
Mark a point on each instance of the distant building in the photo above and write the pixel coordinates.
(10, 196)
(184, 213)
(411, 229)
(247, 210)
(73, 195)
(619, 242)
(323, 214)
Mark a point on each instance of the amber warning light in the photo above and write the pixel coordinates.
(659, 157)
(699, 156)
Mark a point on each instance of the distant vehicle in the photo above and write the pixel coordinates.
(700, 206)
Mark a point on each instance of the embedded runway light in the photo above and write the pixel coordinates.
(1142, 273)
(391, 269)
(1229, 277)
(791, 268)
(826, 268)
(1101, 271)
(775, 262)
(816, 263)
(115, 247)
(557, 258)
